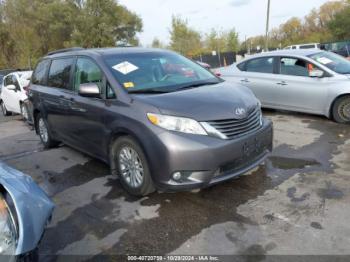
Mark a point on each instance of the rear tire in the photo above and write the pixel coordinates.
(341, 110)
(44, 133)
(132, 167)
(4, 110)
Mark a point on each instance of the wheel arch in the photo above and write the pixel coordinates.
(35, 120)
(122, 132)
(330, 112)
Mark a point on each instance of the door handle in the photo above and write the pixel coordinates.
(245, 80)
(283, 83)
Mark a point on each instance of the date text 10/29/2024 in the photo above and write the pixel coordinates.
(173, 258)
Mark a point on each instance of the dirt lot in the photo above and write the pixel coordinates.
(297, 203)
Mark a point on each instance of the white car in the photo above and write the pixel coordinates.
(304, 46)
(13, 93)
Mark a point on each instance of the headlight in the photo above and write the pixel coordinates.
(7, 230)
(179, 124)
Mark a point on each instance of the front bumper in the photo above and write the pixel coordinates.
(204, 160)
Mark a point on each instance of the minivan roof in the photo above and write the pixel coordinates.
(106, 51)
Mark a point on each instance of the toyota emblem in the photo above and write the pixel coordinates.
(240, 112)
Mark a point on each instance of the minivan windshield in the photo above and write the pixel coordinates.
(333, 61)
(158, 72)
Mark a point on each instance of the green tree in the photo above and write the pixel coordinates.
(340, 24)
(184, 39)
(105, 23)
(215, 41)
(29, 29)
(232, 41)
(156, 43)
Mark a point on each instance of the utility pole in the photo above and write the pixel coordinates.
(267, 26)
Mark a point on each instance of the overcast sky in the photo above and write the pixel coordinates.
(247, 16)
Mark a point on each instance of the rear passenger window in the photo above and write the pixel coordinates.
(87, 72)
(307, 46)
(260, 65)
(59, 74)
(39, 74)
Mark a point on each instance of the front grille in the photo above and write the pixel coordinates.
(233, 128)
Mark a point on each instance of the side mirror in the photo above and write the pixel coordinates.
(316, 73)
(89, 90)
(11, 87)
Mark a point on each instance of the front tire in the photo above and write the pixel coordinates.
(24, 112)
(4, 110)
(341, 110)
(132, 166)
(44, 133)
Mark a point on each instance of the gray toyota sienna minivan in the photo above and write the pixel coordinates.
(158, 119)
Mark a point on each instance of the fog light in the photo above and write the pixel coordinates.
(177, 176)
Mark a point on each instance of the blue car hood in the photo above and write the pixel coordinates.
(34, 208)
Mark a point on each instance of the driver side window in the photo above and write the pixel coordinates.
(296, 67)
(15, 83)
(86, 72)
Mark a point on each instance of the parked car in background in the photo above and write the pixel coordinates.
(341, 48)
(304, 46)
(14, 93)
(1, 79)
(3, 73)
(311, 81)
(158, 119)
(25, 211)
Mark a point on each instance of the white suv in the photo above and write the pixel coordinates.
(304, 46)
(13, 93)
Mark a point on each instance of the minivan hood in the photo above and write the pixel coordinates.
(206, 103)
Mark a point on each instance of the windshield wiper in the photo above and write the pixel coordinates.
(190, 86)
(147, 91)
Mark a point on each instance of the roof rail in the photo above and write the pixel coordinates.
(65, 50)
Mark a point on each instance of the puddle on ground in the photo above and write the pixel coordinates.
(54, 183)
(330, 192)
(287, 163)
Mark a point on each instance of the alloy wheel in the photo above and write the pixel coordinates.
(344, 110)
(24, 112)
(131, 167)
(43, 130)
(3, 109)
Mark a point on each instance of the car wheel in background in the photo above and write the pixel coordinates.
(4, 110)
(44, 133)
(24, 111)
(341, 110)
(132, 167)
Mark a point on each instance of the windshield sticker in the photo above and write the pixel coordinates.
(324, 60)
(125, 67)
(129, 85)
